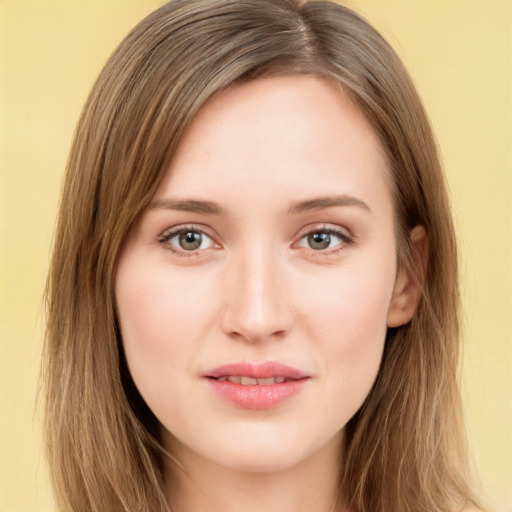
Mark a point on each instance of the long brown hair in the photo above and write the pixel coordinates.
(405, 449)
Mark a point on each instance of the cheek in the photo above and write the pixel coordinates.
(346, 315)
(159, 315)
(350, 301)
(153, 310)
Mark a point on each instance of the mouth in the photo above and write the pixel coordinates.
(256, 385)
(251, 381)
(248, 373)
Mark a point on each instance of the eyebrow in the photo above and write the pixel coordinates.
(187, 205)
(319, 203)
(211, 208)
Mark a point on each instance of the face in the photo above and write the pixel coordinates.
(255, 292)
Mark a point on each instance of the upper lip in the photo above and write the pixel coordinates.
(260, 370)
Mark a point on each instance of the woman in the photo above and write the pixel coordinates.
(253, 297)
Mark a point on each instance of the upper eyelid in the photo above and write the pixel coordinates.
(332, 228)
(180, 228)
(166, 236)
(165, 240)
(347, 238)
(343, 232)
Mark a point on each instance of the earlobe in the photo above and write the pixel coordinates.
(409, 280)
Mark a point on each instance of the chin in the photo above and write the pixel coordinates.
(259, 460)
(257, 449)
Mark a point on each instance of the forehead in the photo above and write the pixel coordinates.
(293, 134)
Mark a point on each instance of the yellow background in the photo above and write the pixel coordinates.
(459, 53)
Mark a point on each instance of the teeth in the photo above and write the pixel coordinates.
(248, 381)
(251, 381)
(266, 382)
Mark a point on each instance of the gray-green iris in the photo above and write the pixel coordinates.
(319, 241)
(190, 240)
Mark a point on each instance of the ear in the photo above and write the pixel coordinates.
(409, 280)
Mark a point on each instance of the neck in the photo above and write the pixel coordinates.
(197, 485)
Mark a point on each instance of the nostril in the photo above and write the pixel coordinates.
(254, 337)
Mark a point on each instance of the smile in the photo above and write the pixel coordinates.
(256, 386)
(251, 381)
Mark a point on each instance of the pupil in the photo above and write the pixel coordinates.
(319, 240)
(190, 240)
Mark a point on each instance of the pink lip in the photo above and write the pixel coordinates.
(257, 396)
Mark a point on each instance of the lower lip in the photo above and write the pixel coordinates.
(257, 397)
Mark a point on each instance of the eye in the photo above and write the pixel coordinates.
(183, 240)
(323, 239)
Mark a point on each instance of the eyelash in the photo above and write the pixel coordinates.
(166, 237)
(345, 240)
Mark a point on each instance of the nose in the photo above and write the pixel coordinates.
(257, 307)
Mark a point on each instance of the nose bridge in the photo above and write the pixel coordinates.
(256, 305)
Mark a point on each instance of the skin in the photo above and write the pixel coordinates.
(256, 290)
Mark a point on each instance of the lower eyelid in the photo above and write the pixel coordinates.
(345, 238)
(165, 240)
(172, 232)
